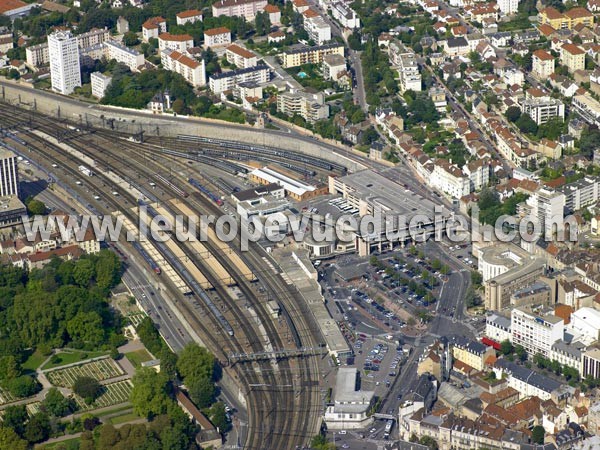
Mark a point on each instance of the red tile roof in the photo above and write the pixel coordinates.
(216, 31)
(9, 5)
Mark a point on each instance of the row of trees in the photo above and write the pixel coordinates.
(491, 208)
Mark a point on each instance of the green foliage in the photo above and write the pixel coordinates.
(521, 352)
(149, 336)
(87, 388)
(218, 417)
(526, 124)
(195, 362)
(149, 394)
(15, 417)
(262, 23)
(421, 109)
(23, 386)
(320, 442)
(537, 434)
(506, 347)
(513, 113)
(378, 76)
(490, 208)
(589, 141)
(57, 404)
(11, 440)
(429, 442)
(476, 278)
(130, 39)
(552, 129)
(37, 428)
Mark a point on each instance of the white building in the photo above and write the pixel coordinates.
(179, 42)
(543, 109)
(240, 57)
(449, 179)
(547, 210)
(408, 69)
(64, 62)
(318, 29)
(333, 65)
(507, 7)
(568, 354)
(478, 172)
(93, 37)
(37, 55)
(99, 83)
(497, 328)
(152, 27)
(190, 69)
(581, 193)
(216, 37)
(123, 54)
(241, 8)
(189, 16)
(311, 107)
(350, 407)
(586, 321)
(9, 175)
(225, 81)
(536, 329)
(345, 15)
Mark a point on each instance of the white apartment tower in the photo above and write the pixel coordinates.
(64, 62)
(9, 177)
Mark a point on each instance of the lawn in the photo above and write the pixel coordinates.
(70, 357)
(34, 361)
(127, 417)
(138, 357)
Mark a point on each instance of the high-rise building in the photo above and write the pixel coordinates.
(64, 62)
(9, 177)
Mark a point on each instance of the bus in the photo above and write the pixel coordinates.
(84, 170)
(388, 426)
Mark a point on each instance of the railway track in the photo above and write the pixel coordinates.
(267, 431)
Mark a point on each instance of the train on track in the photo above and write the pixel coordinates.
(87, 172)
(214, 197)
(173, 186)
(147, 258)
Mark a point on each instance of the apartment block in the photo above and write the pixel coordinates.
(242, 8)
(587, 107)
(99, 83)
(333, 65)
(345, 15)
(217, 37)
(536, 329)
(189, 16)
(9, 174)
(497, 328)
(581, 193)
(318, 29)
(192, 70)
(37, 56)
(471, 353)
(311, 107)
(240, 57)
(65, 71)
(228, 80)
(573, 57)
(93, 37)
(547, 210)
(305, 55)
(152, 27)
(449, 179)
(178, 42)
(543, 109)
(123, 54)
(542, 65)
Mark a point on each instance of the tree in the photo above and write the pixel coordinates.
(149, 394)
(57, 404)
(130, 39)
(506, 347)
(195, 362)
(537, 434)
(168, 363)
(476, 278)
(589, 141)
(202, 391)
(218, 416)
(513, 113)
(520, 352)
(11, 440)
(86, 327)
(526, 124)
(149, 335)
(38, 428)
(87, 388)
(23, 386)
(179, 106)
(262, 23)
(9, 368)
(83, 272)
(15, 417)
(36, 207)
(429, 442)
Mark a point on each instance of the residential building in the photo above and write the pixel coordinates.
(189, 16)
(456, 46)
(318, 29)
(9, 174)
(591, 363)
(14, 9)
(333, 66)
(568, 353)
(527, 382)
(152, 27)
(93, 37)
(217, 37)
(449, 179)
(538, 293)
(573, 57)
(581, 193)
(345, 15)
(225, 81)
(350, 407)
(123, 54)
(505, 269)
(542, 109)
(536, 329)
(542, 64)
(507, 7)
(178, 42)
(37, 56)
(547, 210)
(587, 107)
(478, 172)
(241, 8)
(240, 57)
(192, 70)
(313, 55)
(579, 16)
(63, 53)
(311, 107)
(122, 25)
(551, 16)
(497, 328)
(99, 83)
(472, 353)
(586, 322)
(274, 14)
(408, 70)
